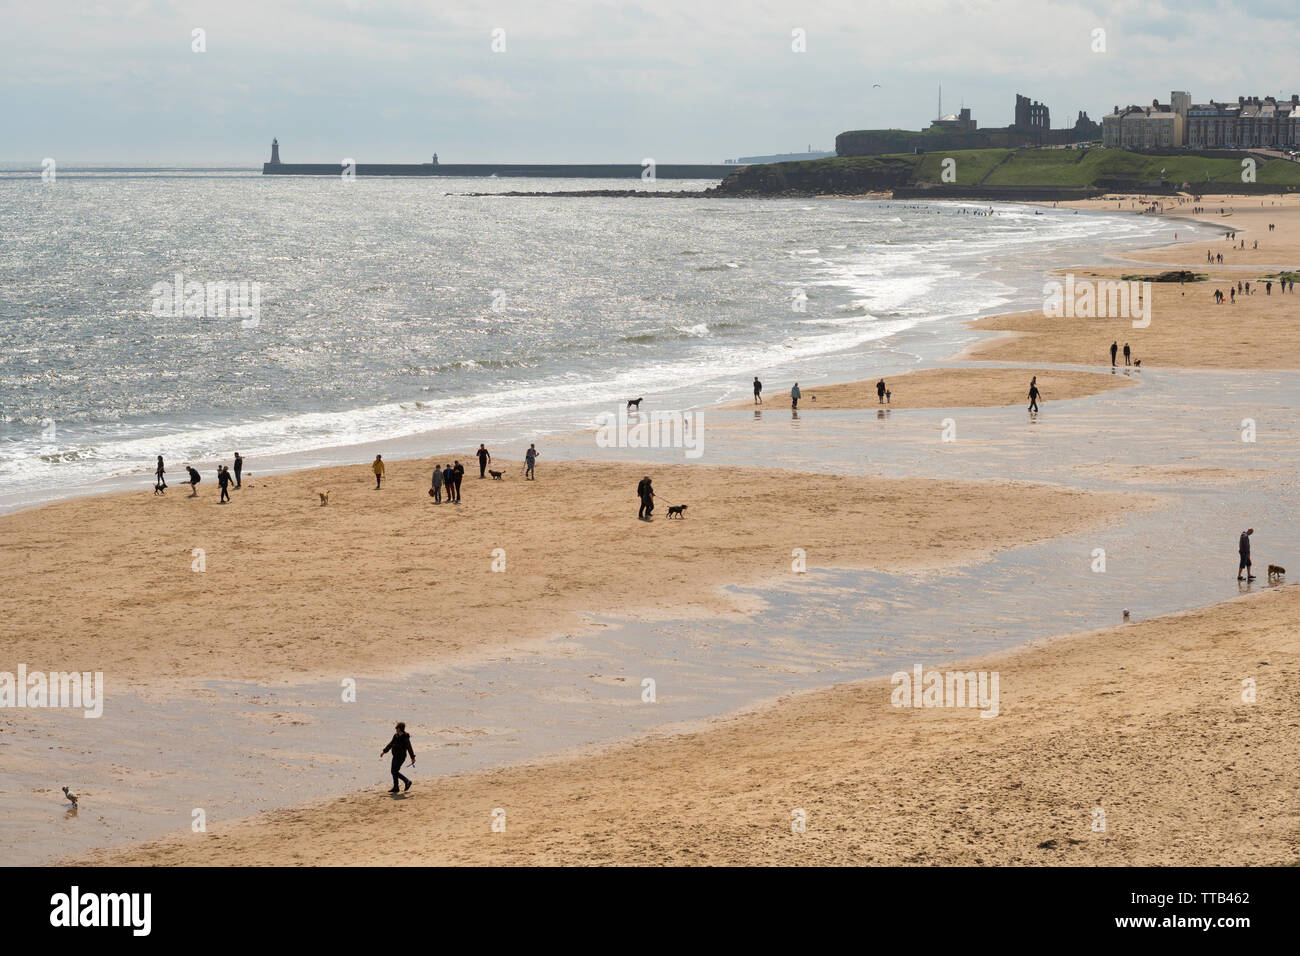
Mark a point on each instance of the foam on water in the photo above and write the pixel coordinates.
(390, 310)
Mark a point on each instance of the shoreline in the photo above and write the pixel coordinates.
(338, 838)
(372, 565)
(419, 428)
(845, 780)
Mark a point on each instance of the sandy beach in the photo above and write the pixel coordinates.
(948, 388)
(1135, 744)
(379, 581)
(1188, 329)
(1184, 772)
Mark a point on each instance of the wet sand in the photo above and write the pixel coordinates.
(1144, 722)
(381, 581)
(1187, 329)
(1140, 730)
(946, 388)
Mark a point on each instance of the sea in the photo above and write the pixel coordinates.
(408, 311)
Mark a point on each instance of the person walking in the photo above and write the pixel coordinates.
(530, 462)
(436, 487)
(758, 391)
(195, 478)
(239, 470)
(400, 746)
(1114, 347)
(224, 479)
(1127, 355)
(1243, 551)
(378, 468)
(794, 396)
(1033, 395)
(457, 475)
(483, 459)
(160, 482)
(880, 392)
(645, 491)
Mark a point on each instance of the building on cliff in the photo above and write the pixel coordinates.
(1251, 121)
(1031, 127)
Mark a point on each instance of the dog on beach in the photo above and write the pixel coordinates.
(324, 498)
(678, 510)
(496, 475)
(72, 797)
(634, 403)
(1137, 363)
(1275, 572)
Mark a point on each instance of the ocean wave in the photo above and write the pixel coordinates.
(676, 332)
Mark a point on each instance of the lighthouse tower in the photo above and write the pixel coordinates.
(275, 152)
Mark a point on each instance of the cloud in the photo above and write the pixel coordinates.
(591, 79)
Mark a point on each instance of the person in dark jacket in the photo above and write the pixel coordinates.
(449, 483)
(646, 493)
(459, 474)
(239, 470)
(483, 459)
(437, 484)
(400, 745)
(224, 479)
(1243, 551)
(195, 478)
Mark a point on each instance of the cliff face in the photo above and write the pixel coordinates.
(822, 176)
(872, 142)
(1024, 174)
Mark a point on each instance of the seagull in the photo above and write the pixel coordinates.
(70, 795)
(875, 86)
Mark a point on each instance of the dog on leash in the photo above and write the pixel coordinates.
(324, 498)
(634, 403)
(1276, 572)
(678, 510)
(496, 475)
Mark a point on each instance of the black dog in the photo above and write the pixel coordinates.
(496, 475)
(634, 403)
(678, 510)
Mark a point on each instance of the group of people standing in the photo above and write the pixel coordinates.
(225, 478)
(1114, 350)
(448, 477)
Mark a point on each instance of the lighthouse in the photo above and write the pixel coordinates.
(275, 152)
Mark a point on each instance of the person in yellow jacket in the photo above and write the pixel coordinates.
(378, 467)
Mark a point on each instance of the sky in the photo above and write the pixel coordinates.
(588, 80)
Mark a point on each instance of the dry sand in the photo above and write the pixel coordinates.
(1187, 330)
(949, 388)
(382, 580)
(1145, 722)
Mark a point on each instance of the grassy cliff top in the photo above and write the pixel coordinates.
(1039, 167)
